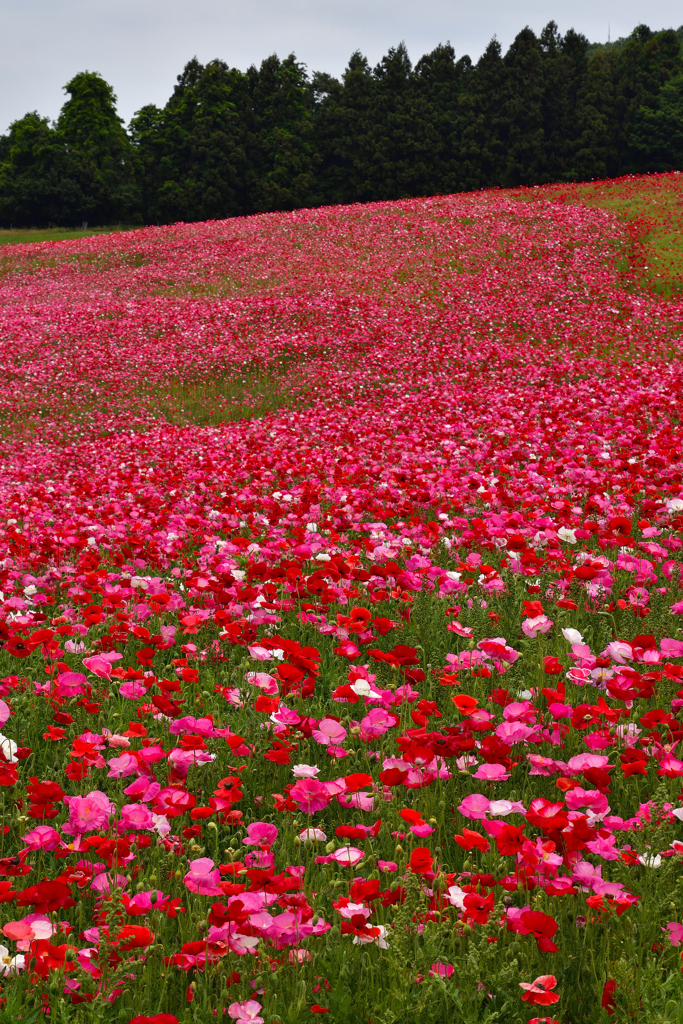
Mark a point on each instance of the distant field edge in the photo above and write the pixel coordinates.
(15, 236)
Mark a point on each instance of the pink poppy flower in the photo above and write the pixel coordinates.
(539, 624)
(203, 878)
(43, 837)
(442, 970)
(329, 731)
(101, 664)
(309, 795)
(348, 856)
(106, 881)
(136, 816)
(87, 813)
(132, 689)
(260, 833)
(591, 798)
(491, 773)
(71, 684)
(246, 1012)
(475, 806)
(119, 767)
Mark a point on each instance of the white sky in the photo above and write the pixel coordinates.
(140, 46)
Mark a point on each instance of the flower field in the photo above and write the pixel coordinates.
(340, 610)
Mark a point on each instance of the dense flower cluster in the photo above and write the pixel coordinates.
(395, 664)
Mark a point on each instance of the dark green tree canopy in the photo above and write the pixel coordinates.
(228, 143)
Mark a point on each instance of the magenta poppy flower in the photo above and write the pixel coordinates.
(674, 929)
(329, 731)
(203, 878)
(309, 795)
(246, 1012)
(260, 833)
(43, 837)
(475, 806)
(136, 816)
(87, 813)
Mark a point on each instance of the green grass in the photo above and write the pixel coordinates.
(224, 399)
(13, 236)
(657, 214)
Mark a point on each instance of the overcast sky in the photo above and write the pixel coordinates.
(140, 46)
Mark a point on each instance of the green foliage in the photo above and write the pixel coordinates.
(281, 137)
(657, 134)
(228, 143)
(77, 170)
(190, 156)
(37, 180)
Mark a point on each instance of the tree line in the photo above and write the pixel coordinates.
(228, 143)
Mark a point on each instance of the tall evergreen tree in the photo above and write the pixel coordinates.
(657, 135)
(191, 156)
(597, 145)
(564, 68)
(100, 152)
(440, 85)
(280, 144)
(343, 133)
(525, 151)
(38, 184)
(483, 122)
(645, 65)
(398, 131)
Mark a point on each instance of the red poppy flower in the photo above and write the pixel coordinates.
(46, 897)
(477, 907)
(8, 774)
(266, 705)
(510, 840)
(544, 814)
(552, 666)
(420, 861)
(7, 895)
(470, 840)
(198, 813)
(19, 648)
(465, 704)
(133, 936)
(542, 927)
(358, 780)
(607, 1001)
(279, 753)
(400, 655)
(54, 733)
(157, 1018)
(539, 991)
